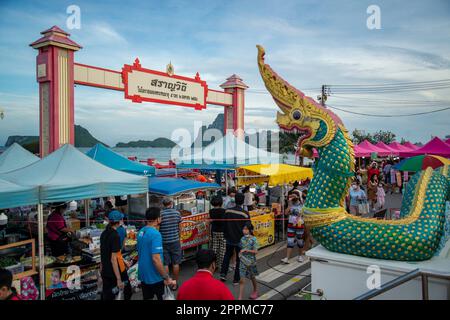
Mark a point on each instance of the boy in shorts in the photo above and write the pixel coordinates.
(295, 230)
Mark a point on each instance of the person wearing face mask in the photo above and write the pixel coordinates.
(229, 201)
(356, 194)
(194, 288)
(59, 235)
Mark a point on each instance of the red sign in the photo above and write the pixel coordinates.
(194, 230)
(155, 86)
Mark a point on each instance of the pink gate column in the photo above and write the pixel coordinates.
(54, 73)
(234, 115)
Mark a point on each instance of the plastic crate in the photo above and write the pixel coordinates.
(15, 269)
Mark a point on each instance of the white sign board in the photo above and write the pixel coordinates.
(155, 86)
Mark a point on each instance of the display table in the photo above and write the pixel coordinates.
(343, 276)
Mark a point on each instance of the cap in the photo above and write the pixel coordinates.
(115, 216)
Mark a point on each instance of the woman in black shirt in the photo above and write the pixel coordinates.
(217, 239)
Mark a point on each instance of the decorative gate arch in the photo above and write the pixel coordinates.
(57, 74)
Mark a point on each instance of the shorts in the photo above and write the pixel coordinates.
(150, 290)
(249, 272)
(172, 253)
(295, 237)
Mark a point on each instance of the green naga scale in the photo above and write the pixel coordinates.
(419, 232)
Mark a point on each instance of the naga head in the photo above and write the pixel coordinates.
(299, 113)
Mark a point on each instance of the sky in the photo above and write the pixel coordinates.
(309, 43)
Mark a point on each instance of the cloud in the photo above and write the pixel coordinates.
(309, 43)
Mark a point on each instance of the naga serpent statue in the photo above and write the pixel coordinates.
(420, 231)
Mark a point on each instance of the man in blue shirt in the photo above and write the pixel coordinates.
(151, 271)
(170, 232)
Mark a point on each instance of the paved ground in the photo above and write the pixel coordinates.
(276, 280)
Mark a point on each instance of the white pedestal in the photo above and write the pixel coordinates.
(343, 276)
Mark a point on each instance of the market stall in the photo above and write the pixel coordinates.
(16, 157)
(65, 175)
(194, 230)
(263, 218)
(116, 161)
(225, 154)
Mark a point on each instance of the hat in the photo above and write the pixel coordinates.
(115, 216)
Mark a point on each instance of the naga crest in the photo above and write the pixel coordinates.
(301, 114)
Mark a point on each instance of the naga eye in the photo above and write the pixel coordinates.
(296, 115)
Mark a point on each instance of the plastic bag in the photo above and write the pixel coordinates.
(120, 295)
(168, 294)
(363, 207)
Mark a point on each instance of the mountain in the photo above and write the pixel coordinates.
(21, 140)
(218, 123)
(157, 143)
(83, 139)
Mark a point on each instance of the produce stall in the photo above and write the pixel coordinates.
(263, 218)
(64, 175)
(194, 229)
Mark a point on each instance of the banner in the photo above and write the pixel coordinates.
(264, 229)
(194, 230)
(72, 282)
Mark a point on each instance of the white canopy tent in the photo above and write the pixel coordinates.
(228, 152)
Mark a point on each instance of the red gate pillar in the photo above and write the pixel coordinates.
(55, 75)
(234, 115)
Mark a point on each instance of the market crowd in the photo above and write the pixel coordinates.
(232, 248)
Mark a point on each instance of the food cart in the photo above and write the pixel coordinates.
(194, 229)
(263, 218)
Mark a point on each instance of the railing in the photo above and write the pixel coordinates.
(425, 275)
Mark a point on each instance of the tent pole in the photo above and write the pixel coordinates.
(86, 211)
(282, 209)
(41, 252)
(147, 199)
(176, 172)
(226, 181)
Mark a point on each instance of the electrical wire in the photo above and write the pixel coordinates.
(392, 101)
(388, 115)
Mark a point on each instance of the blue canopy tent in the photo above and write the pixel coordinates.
(68, 174)
(175, 186)
(13, 195)
(16, 157)
(116, 161)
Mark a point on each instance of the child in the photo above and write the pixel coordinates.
(6, 290)
(247, 268)
(295, 231)
(380, 196)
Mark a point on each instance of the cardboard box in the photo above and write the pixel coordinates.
(73, 224)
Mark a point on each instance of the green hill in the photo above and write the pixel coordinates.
(83, 139)
(157, 143)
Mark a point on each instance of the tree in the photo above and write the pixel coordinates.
(381, 135)
(385, 136)
(288, 142)
(360, 135)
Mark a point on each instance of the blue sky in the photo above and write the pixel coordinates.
(309, 43)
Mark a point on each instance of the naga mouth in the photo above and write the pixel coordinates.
(303, 133)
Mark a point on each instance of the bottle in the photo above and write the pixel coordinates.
(116, 289)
